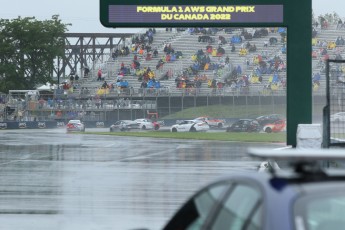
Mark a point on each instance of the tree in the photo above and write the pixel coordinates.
(28, 48)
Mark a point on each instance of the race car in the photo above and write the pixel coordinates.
(123, 125)
(269, 119)
(75, 125)
(244, 125)
(277, 126)
(190, 126)
(214, 122)
(145, 123)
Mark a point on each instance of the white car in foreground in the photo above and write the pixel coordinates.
(190, 126)
(75, 125)
(145, 123)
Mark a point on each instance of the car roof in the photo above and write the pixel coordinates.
(127, 121)
(294, 179)
(142, 119)
(271, 115)
(74, 121)
(304, 163)
(297, 154)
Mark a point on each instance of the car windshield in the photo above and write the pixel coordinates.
(320, 212)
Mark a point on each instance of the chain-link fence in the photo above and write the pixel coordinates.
(334, 112)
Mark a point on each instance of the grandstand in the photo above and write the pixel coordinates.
(254, 80)
(187, 43)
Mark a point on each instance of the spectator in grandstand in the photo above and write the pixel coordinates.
(143, 85)
(155, 53)
(207, 59)
(316, 78)
(20, 115)
(168, 49)
(233, 48)
(119, 76)
(222, 40)
(205, 38)
(239, 70)
(167, 58)
(71, 77)
(114, 54)
(122, 84)
(86, 71)
(323, 22)
(135, 65)
(41, 103)
(243, 52)
(105, 85)
(141, 51)
(165, 76)
(252, 48)
(209, 48)
(148, 56)
(220, 51)
(99, 75)
(124, 51)
(273, 41)
(314, 32)
(98, 102)
(340, 41)
(50, 102)
(324, 51)
(276, 78)
(160, 64)
(157, 84)
(325, 57)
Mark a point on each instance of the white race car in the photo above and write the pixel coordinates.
(145, 123)
(190, 126)
(214, 122)
(75, 125)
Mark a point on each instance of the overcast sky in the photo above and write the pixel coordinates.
(84, 14)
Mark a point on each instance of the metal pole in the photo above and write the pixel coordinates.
(58, 73)
(169, 105)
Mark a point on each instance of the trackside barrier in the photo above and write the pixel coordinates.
(48, 124)
(88, 124)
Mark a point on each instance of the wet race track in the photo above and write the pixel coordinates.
(53, 180)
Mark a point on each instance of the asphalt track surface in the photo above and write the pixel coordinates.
(53, 180)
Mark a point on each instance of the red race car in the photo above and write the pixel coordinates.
(277, 126)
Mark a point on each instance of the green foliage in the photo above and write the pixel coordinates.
(219, 136)
(28, 48)
(228, 111)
